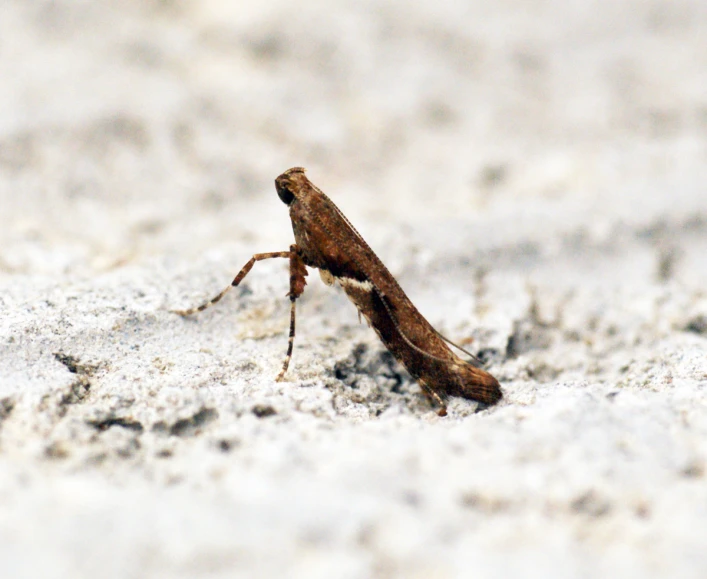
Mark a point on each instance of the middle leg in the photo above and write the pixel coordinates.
(236, 280)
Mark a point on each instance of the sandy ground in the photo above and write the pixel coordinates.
(533, 173)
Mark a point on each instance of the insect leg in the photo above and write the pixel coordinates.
(297, 283)
(236, 280)
(433, 397)
(290, 341)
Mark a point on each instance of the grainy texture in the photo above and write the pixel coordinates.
(532, 173)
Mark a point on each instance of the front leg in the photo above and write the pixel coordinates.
(297, 282)
(298, 271)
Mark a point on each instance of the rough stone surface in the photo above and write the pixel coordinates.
(532, 172)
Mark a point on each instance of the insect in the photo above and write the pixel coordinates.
(326, 240)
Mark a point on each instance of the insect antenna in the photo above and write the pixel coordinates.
(404, 337)
(458, 347)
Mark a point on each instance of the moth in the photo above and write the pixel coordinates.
(326, 240)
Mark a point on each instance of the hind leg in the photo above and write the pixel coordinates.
(434, 398)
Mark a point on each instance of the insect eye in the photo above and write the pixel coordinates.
(284, 194)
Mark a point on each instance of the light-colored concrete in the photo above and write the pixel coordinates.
(532, 172)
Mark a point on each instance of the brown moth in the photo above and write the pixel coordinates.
(326, 240)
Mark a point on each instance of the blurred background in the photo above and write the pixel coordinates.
(532, 171)
(129, 128)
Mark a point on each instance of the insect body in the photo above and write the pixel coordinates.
(326, 240)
